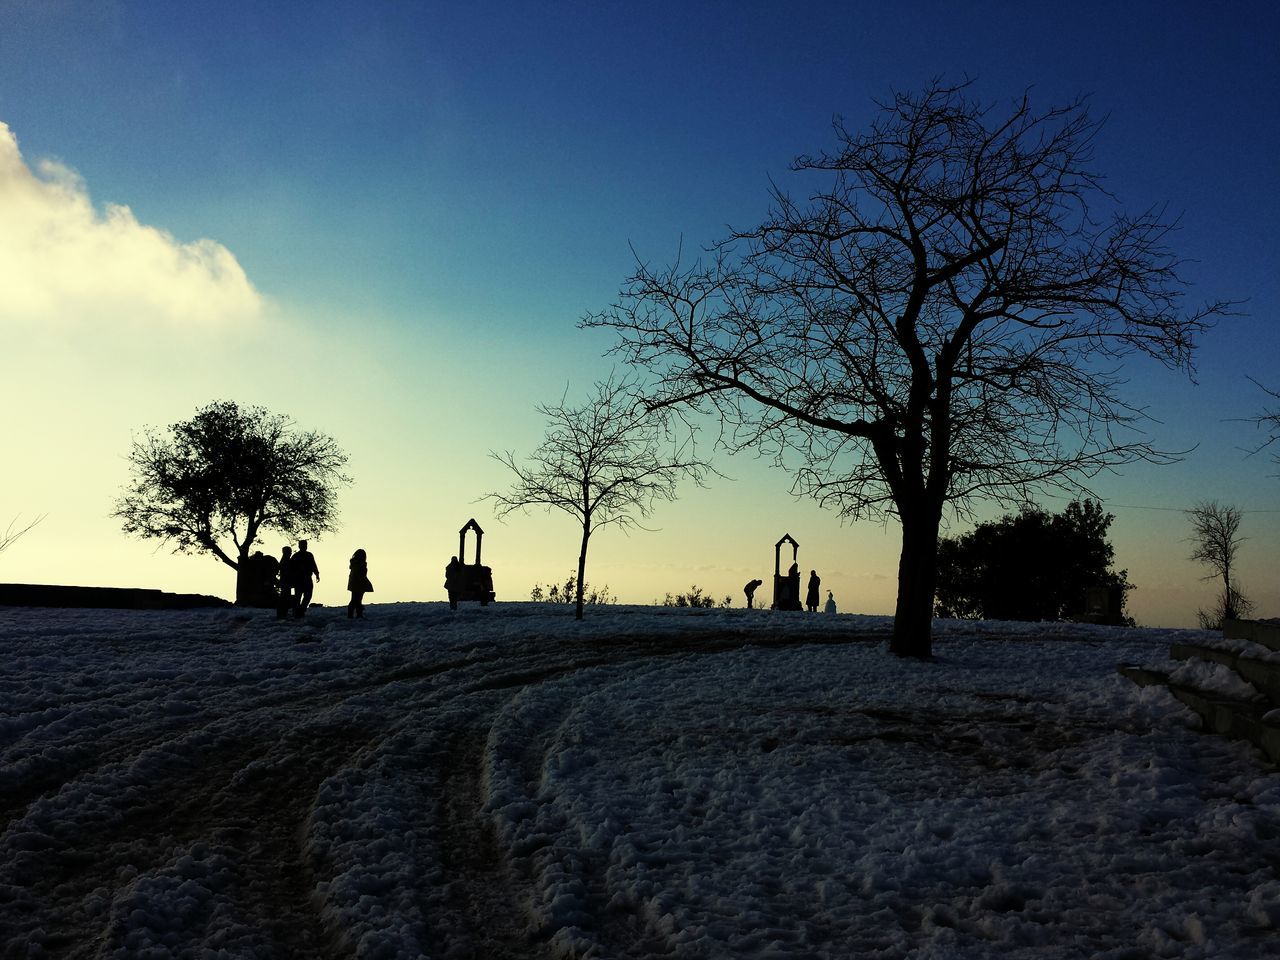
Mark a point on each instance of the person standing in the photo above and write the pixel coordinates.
(811, 594)
(750, 591)
(358, 583)
(304, 568)
(453, 581)
(284, 598)
(268, 585)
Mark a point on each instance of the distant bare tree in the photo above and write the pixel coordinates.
(941, 320)
(1215, 539)
(606, 463)
(13, 532)
(211, 484)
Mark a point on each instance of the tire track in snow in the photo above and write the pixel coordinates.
(168, 794)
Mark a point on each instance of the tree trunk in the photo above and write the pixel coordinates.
(917, 579)
(244, 587)
(582, 571)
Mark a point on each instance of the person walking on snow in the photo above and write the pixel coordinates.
(303, 566)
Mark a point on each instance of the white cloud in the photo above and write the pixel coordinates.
(63, 261)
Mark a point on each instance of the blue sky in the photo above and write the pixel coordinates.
(424, 198)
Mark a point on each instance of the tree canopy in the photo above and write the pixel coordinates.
(1030, 565)
(940, 319)
(213, 483)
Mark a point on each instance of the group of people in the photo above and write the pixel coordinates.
(789, 592)
(287, 584)
(468, 581)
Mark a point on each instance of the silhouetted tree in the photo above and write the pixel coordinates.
(1215, 540)
(605, 463)
(1029, 565)
(941, 320)
(213, 483)
(13, 532)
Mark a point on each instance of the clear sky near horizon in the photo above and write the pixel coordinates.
(385, 220)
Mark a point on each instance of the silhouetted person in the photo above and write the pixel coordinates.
(453, 581)
(830, 606)
(793, 588)
(811, 594)
(750, 591)
(303, 567)
(358, 583)
(268, 571)
(260, 576)
(284, 600)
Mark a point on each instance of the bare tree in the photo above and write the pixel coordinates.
(13, 532)
(211, 484)
(1215, 539)
(606, 463)
(941, 320)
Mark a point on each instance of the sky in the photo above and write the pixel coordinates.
(385, 221)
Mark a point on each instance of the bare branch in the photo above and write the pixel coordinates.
(13, 532)
(1268, 420)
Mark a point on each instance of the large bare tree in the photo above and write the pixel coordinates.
(940, 320)
(213, 483)
(605, 463)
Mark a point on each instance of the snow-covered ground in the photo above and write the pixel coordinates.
(506, 782)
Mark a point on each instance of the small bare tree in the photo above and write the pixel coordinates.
(1215, 539)
(13, 532)
(606, 463)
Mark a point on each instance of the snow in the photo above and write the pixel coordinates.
(1245, 648)
(505, 781)
(1214, 678)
